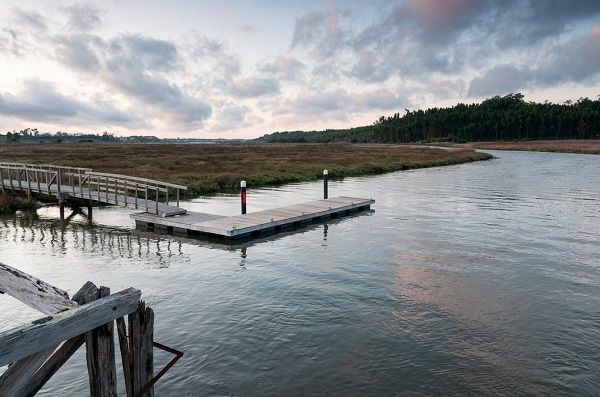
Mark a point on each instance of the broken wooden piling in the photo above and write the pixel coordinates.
(37, 350)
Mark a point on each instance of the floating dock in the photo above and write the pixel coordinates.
(75, 186)
(254, 223)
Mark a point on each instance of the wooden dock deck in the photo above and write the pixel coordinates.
(254, 223)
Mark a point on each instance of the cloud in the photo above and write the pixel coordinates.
(205, 50)
(341, 101)
(248, 28)
(233, 117)
(136, 66)
(145, 52)
(78, 52)
(525, 23)
(368, 67)
(249, 87)
(576, 60)
(83, 17)
(284, 68)
(40, 101)
(33, 19)
(381, 98)
(322, 32)
(500, 80)
(338, 63)
(420, 37)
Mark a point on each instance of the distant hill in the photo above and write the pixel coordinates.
(505, 118)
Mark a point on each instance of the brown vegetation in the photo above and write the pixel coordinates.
(584, 146)
(220, 167)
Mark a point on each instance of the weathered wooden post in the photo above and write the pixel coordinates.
(100, 352)
(243, 186)
(325, 187)
(137, 351)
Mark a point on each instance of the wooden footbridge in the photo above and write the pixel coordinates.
(73, 183)
(160, 201)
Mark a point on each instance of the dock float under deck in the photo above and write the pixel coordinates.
(242, 226)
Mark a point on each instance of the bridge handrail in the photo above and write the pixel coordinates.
(135, 179)
(45, 166)
(10, 167)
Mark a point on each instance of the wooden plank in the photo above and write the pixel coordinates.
(100, 353)
(50, 367)
(32, 291)
(29, 385)
(50, 331)
(19, 373)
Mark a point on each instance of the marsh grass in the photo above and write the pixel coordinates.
(220, 167)
(582, 146)
(11, 203)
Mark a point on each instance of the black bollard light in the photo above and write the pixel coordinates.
(243, 186)
(325, 188)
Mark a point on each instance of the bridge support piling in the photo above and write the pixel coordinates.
(61, 209)
(89, 210)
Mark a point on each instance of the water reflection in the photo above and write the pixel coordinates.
(78, 232)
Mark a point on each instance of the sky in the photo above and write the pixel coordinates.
(241, 69)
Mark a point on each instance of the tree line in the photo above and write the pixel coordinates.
(505, 118)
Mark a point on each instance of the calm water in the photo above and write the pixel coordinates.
(470, 279)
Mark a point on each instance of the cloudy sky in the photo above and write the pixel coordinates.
(242, 69)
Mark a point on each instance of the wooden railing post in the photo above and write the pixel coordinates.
(156, 198)
(80, 185)
(28, 183)
(58, 183)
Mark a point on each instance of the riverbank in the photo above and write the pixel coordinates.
(220, 167)
(11, 203)
(582, 146)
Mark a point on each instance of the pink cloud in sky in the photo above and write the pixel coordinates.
(442, 12)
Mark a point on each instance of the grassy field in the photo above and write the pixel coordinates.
(583, 146)
(218, 168)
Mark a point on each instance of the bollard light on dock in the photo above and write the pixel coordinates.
(325, 188)
(243, 186)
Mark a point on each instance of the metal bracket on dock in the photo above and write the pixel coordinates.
(156, 377)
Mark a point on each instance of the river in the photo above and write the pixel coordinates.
(480, 278)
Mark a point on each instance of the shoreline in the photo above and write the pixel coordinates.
(588, 146)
